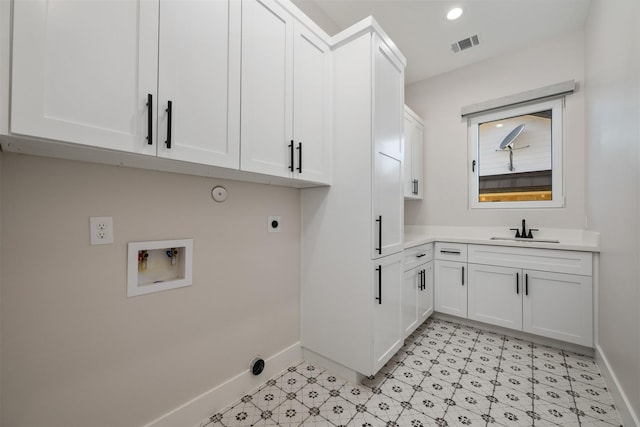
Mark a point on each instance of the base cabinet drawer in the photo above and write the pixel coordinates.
(417, 255)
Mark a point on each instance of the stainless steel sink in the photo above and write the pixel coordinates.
(520, 239)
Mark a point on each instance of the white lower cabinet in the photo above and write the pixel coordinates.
(507, 288)
(495, 295)
(387, 336)
(417, 288)
(450, 287)
(425, 295)
(559, 306)
(450, 277)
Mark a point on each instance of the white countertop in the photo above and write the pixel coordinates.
(569, 239)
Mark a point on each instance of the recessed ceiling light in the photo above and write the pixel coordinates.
(499, 125)
(454, 13)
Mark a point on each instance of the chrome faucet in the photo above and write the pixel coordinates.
(523, 234)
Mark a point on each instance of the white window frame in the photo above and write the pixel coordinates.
(557, 148)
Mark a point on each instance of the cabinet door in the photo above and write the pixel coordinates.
(559, 306)
(411, 289)
(267, 89)
(409, 130)
(311, 108)
(417, 160)
(450, 282)
(495, 295)
(199, 74)
(388, 117)
(413, 153)
(387, 328)
(425, 296)
(90, 89)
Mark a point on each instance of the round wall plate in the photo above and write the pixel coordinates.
(219, 193)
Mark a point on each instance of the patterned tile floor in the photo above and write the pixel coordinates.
(446, 374)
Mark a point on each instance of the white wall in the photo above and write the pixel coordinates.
(613, 202)
(76, 350)
(317, 15)
(439, 99)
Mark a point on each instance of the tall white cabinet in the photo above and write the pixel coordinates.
(353, 231)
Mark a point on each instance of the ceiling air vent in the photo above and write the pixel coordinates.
(464, 44)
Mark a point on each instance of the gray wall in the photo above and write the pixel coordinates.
(613, 164)
(76, 350)
(438, 101)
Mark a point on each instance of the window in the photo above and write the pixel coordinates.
(516, 157)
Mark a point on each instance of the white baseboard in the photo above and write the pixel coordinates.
(197, 411)
(627, 414)
(537, 339)
(334, 367)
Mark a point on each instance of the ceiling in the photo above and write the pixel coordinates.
(423, 34)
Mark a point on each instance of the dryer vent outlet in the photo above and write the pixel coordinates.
(256, 366)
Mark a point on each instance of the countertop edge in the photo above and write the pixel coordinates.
(415, 240)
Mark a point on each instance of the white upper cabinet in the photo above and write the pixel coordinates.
(413, 155)
(81, 72)
(388, 206)
(112, 86)
(285, 83)
(164, 77)
(311, 105)
(267, 88)
(199, 73)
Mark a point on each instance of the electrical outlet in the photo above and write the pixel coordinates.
(101, 230)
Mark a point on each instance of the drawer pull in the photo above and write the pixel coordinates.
(420, 256)
(450, 251)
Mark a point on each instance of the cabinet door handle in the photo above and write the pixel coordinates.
(149, 119)
(462, 276)
(291, 156)
(379, 221)
(169, 111)
(417, 186)
(420, 282)
(424, 280)
(518, 283)
(299, 157)
(526, 284)
(379, 297)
